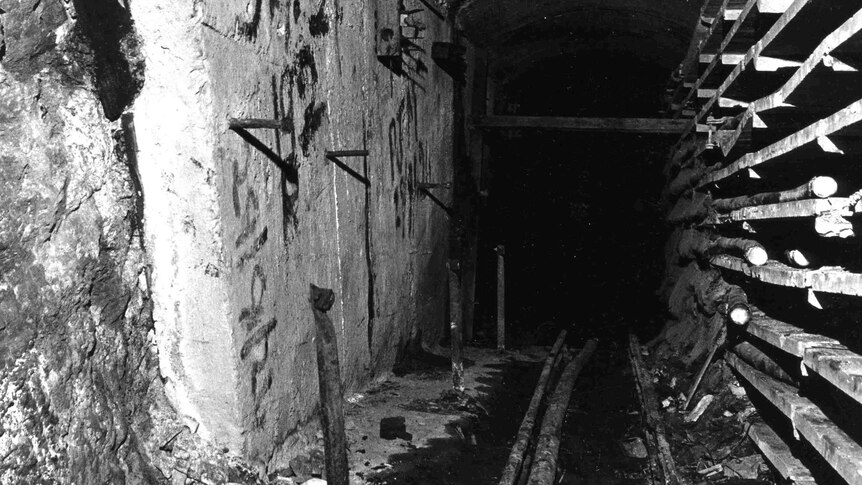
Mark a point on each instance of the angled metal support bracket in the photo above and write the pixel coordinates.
(251, 123)
(424, 191)
(333, 156)
(288, 168)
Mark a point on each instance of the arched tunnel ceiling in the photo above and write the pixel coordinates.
(655, 30)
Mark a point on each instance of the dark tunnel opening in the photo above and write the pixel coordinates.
(578, 213)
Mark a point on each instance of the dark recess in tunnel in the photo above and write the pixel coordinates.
(108, 49)
(578, 213)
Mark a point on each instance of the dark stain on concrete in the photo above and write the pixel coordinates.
(306, 70)
(248, 222)
(314, 115)
(248, 30)
(257, 337)
(318, 24)
(297, 10)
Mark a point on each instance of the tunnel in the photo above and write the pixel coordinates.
(430, 242)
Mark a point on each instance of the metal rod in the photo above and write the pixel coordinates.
(346, 153)
(331, 393)
(719, 341)
(516, 462)
(343, 166)
(436, 201)
(456, 337)
(271, 155)
(282, 124)
(433, 9)
(501, 297)
(548, 446)
(433, 185)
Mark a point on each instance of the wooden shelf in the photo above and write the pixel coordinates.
(836, 447)
(842, 119)
(784, 210)
(779, 454)
(824, 355)
(826, 279)
(791, 11)
(844, 33)
(741, 17)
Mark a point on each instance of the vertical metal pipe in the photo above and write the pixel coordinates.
(501, 297)
(456, 335)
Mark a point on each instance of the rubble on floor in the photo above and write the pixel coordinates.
(709, 439)
(413, 428)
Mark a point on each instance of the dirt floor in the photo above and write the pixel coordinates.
(413, 429)
(432, 435)
(603, 414)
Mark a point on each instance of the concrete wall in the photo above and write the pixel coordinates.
(235, 244)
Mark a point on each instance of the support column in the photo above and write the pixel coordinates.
(501, 297)
(456, 336)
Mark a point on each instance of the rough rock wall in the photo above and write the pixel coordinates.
(77, 369)
(236, 241)
(692, 292)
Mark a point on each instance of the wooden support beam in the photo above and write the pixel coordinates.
(826, 279)
(694, 244)
(779, 454)
(544, 470)
(613, 125)
(752, 53)
(824, 355)
(785, 210)
(785, 336)
(331, 393)
(515, 465)
(456, 336)
(816, 187)
(836, 447)
(501, 297)
(819, 55)
(762, 362)
(715, 30)
(773, 6)
(846, 117)
(715, 11)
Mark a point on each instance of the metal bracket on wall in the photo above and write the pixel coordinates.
(396, 29)
(433, 9)
(240, 125)
(423, 189)
(433, 185)
(333, 156)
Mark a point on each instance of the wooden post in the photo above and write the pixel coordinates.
(820, 187)
(456, 336)
(762, 362)
(501, 297)
(696, 244)
(516, 463)
(331, 395)
(719, 341)
(547, 448)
